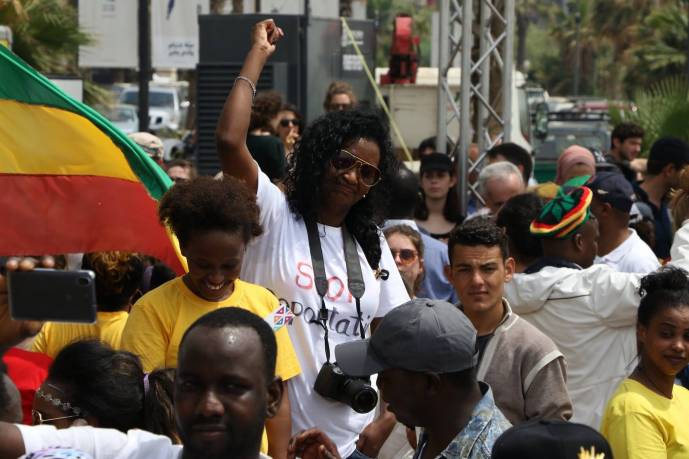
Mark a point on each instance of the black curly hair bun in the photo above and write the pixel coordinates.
(667, 278)
(666, 288)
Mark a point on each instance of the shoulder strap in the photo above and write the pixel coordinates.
(317, 257)
(355, 281)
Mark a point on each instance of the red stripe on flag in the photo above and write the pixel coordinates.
(55, 214)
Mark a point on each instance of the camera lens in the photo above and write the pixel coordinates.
(361, 396)
(365, 400)
(83, 281)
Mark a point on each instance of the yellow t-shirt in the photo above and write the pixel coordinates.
(55, 335)
(640, 424)
(159, 319)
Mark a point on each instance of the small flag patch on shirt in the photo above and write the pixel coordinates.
(280, 317)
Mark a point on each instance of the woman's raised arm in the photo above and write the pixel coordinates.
(236, 114)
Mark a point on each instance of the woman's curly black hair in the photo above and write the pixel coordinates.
(319, 143)
(205, 204)
(665, 288)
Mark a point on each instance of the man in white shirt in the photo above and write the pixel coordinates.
(618, 245)
(225, 388)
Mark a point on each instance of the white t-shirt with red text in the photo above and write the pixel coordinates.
(280, 260)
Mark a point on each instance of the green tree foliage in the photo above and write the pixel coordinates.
(46, 35)
(662, 110)
(625, 45)
(662, 50)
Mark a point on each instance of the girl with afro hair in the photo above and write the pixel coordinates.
(338, 177)
(214, 220)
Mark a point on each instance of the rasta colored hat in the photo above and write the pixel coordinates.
(564, 214)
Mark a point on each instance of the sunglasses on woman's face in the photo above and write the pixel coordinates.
(406, 256)
(345, 161)
(285, 122)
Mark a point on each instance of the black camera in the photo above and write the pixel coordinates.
(332, 383)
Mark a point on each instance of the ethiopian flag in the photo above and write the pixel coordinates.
(69, 180)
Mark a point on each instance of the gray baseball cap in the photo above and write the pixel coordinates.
(419, 335)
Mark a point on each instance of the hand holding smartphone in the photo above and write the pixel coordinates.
(50, 295)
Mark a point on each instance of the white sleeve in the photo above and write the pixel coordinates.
(99, 443)
(271, 201)
(679, 253)
(616, 298)
(614, 295)
(392, 291)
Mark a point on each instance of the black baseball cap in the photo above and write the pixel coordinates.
(419, 335)
(436, 162)
(613, 188)
(554, 439)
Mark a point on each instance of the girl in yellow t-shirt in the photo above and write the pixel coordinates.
(118, 285)
(214, 221)
(647, 416)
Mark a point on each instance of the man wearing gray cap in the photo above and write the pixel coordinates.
(424, 352)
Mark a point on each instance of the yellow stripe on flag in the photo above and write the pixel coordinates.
(41, 140)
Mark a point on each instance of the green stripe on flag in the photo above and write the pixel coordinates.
(20, 82)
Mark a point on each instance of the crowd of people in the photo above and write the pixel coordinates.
(339, 305)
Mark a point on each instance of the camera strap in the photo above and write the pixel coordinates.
(355, 280)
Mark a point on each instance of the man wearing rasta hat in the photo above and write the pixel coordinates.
(588, 310)
(568, 231)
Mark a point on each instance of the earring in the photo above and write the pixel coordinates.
(364, 197)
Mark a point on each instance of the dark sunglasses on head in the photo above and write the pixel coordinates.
(344, 161)
(406, 256)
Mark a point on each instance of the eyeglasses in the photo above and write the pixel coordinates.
(287, 121)
(37, 418)
(406, 256)
(345, 161)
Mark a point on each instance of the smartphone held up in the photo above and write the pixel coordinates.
(52, 295)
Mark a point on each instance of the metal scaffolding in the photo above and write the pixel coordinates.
(480, 118)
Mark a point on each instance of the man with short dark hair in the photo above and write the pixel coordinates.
(668, 156)
(225, 389)
(514, 154)
(626, 140)
(521, 364)
(618, 245)
(515, 218)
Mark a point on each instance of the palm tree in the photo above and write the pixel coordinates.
(662, 110)
(663, 50)
(45, 33)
